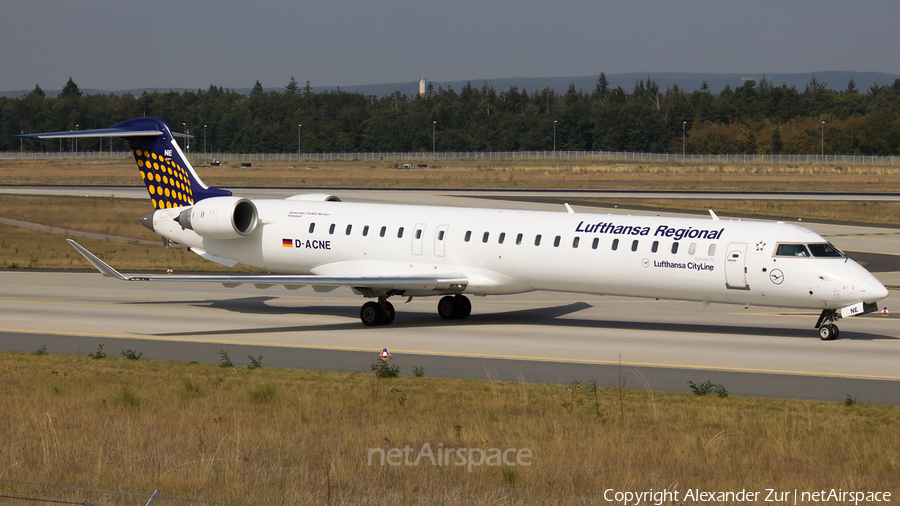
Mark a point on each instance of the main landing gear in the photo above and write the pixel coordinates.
(377, 313)
(451, 307)
(454, 307)
(828, 331)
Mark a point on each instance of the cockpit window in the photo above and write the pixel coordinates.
(825, 250)
(792, 250)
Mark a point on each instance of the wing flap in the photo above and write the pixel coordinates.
(452, 283)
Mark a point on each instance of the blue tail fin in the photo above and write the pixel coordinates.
(169, 177)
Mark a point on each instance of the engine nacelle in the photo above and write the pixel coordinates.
(220, 218)
(315, 197)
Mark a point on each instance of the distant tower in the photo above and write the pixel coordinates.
(422, 87)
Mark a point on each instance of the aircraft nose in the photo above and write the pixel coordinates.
(874, 289)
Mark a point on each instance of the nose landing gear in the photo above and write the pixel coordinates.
(828, 331)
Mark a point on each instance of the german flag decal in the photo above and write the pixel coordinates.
(287, 243)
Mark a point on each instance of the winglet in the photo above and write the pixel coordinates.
(568, 208)
(100, 265)
(714, 217)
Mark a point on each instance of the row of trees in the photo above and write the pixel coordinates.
(757, 117)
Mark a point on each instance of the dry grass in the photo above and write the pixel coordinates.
(28, 249)
(109, 216)
(479, 174)
(21, 248)
(272, 436)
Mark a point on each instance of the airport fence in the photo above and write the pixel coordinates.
(429, 158)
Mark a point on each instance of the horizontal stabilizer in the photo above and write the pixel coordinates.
(101, 132)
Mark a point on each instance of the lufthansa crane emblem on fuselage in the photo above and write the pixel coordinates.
(776, 276)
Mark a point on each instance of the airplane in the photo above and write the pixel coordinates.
(387, 250)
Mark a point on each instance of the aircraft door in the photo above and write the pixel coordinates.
(735, 267)
(418, 238)
(440, 240)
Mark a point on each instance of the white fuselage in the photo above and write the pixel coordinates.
(714, 260)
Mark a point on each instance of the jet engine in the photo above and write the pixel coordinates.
(220, 218)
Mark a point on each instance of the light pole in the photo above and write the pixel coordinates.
(204, 140)
(20, 143)
(76, 141)
(554, 140)
(433, 123)
(298, 141)
(683, 125)
(823, 143)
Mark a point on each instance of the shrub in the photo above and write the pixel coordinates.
(99, 354)
(224, 360)
(131, 354)
(708, 388)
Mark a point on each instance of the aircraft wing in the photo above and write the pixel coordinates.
(368, 286)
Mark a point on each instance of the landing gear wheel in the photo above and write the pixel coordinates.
(826, 332)
(387, 313)
(465, 307)
(447, 308)
(371, 314)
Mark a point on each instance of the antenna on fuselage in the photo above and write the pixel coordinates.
(714, 217)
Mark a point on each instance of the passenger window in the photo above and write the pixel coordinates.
(519, 239)
(712, 250)
(692, 248)
(468, 235)
(419, 233)
(349, 227)
(674, 248)
(615, 244)
(634, 245)
(331, 229)
(556, 242)
(441, 235)
(576, 241)
(502, 237)
(537, 240)
(595, 243)
(655, 247)
(484, 238)
(824, 250)
(365, 230)
(792, 250)
(312, 227)
(400, 233)
(383, 230)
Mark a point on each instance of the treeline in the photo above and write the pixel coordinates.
(757, 117)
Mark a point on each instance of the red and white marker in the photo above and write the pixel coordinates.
(885, 311)
(385, 355)
(169, 270)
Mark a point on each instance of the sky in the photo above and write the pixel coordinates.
(118, 45)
